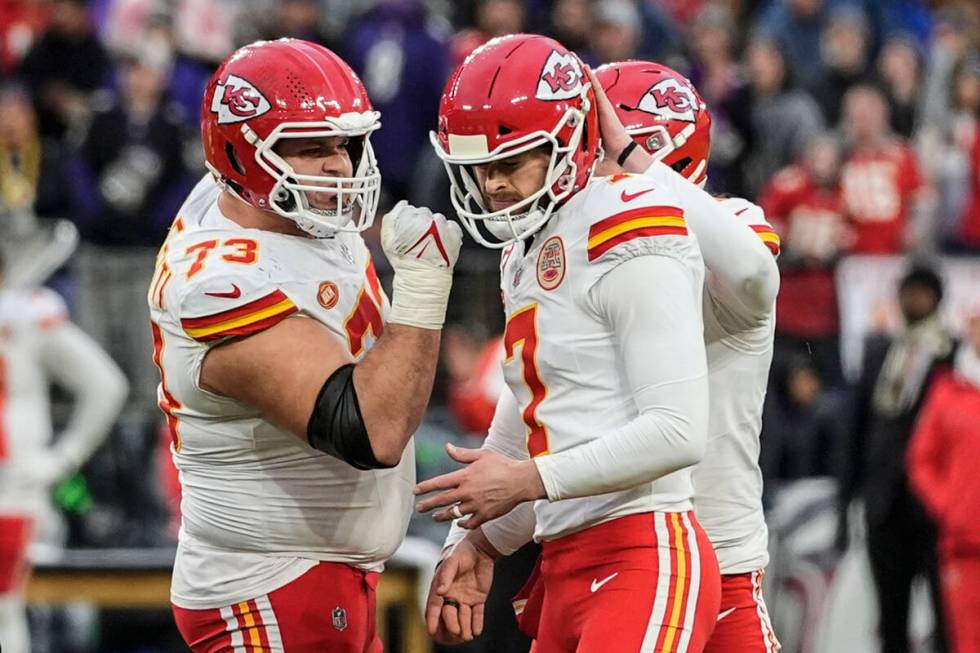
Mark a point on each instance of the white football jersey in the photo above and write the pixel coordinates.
(260, 506)
(561, 359)
(27, 319)
(728, 480)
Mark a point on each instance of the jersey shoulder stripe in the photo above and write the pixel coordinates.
(768, 236)
(252, 317)
(635, 223)
(752, 216)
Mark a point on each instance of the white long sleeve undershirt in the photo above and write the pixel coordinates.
(662, 353)
(737, 259)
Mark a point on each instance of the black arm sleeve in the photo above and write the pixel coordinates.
(336, 426)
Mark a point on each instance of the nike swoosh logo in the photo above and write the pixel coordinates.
(629, 197)
(722, 615)
(234, 293)
(596, 584)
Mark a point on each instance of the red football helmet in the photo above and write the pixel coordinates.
(663, 112)
(271, 90)
(511, 95)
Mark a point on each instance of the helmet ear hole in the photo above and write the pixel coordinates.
(233, 159)
(678, 166)
(284, 199)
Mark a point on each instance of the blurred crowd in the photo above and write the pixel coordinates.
(853, 123)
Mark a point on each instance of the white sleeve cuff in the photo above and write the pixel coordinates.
(512, 531)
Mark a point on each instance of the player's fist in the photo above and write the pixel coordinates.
(416, 233)
(422, 248)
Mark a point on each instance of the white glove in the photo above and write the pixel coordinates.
(422, 247)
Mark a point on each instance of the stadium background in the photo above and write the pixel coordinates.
(107, 93)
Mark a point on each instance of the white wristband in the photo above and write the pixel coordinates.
(419, 295)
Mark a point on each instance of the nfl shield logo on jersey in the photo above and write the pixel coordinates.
(339, 618)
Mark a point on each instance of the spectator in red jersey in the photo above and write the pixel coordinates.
(803, 202)
(885, 196)
(966, 92)
(942, 469)
(968, 231)
(22, 21)
(493, 18)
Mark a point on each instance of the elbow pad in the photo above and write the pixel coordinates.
(336, 426)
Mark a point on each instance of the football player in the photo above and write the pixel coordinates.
(606, 405)
(40, 345)
(290, 384)
(665, 115)
(658, 110)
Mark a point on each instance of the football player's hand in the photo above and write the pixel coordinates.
(416, 235)
(458, 594)
(489, 486)
(613, 133)
(422, 248)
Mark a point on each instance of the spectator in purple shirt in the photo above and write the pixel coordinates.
(404, 62)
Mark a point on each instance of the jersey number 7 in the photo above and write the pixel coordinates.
(521, 331)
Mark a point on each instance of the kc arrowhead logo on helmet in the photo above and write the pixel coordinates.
(561, 77)
(663, 112)
(671, 99)
(237, 100)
